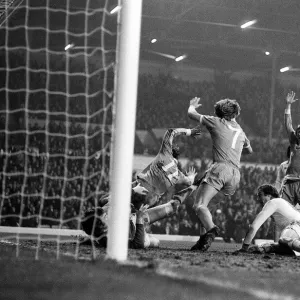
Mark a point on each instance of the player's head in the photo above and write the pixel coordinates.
(227, 109)
(175, 151)
(94, 223)
(266, 192)
(288, 152)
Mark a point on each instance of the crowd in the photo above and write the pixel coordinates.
(63, 178)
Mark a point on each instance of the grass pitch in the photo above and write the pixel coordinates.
(170, 272)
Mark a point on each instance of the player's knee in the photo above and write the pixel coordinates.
(199, 207)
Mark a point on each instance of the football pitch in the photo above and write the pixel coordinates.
(170, 272)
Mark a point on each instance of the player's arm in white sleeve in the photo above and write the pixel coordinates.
(290, 98)
(247, 149)
(268, 210)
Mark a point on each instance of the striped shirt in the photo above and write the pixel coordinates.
(163, 171)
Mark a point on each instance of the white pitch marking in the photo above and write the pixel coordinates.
(258, 293)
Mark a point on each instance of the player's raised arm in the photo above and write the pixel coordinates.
(167, 142)
(192, 113)
(267, 211)
(290, 98)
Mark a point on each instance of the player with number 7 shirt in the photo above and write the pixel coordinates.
(229, 141)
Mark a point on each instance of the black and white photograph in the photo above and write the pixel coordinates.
(149, 149)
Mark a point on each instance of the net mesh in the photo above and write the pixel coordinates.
(56, 91)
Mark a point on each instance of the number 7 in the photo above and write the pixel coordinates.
(237, 132)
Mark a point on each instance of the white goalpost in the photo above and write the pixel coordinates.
(68, 77)
(127, 63)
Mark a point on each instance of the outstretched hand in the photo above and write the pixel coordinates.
(195, 102)
(191, 174)
(142, 209)
(191, 171)
(140, 214)
(140, 190)
(290, 98)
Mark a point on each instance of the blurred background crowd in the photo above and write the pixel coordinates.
(50, 174)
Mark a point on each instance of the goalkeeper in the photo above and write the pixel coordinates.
(286, 217)
(94, 224)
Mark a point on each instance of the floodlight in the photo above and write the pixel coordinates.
(249, 23)
(285, 69)
(181, 57)
(115, 10)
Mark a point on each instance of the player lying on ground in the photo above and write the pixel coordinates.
(229, 141)
(286, 216)
(94, 223)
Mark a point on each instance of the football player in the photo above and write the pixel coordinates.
(228, 142)
(286, 217)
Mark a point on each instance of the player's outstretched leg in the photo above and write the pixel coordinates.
(159, 212)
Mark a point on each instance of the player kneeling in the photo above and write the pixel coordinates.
(94, 224)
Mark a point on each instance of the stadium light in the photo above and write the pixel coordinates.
(249, 23)
(69, 46)
(115, 10)
(267, 53)
(285, 69)
(181, 57)
(153, 41)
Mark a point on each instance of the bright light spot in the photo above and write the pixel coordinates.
(181, 57)
(115, 10)
(267, 53)
(247, 24)
(284, 69)
(153, 41)
(69, 46)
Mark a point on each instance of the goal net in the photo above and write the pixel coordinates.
(56, 107)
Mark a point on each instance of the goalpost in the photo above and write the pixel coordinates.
(127, 62)
(58, 66)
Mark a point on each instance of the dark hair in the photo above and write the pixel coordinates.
(92, 224)
(227, 109)
(288, 152)
(175, 151)
(268, 189)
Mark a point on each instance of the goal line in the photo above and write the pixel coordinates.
(71, 235)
